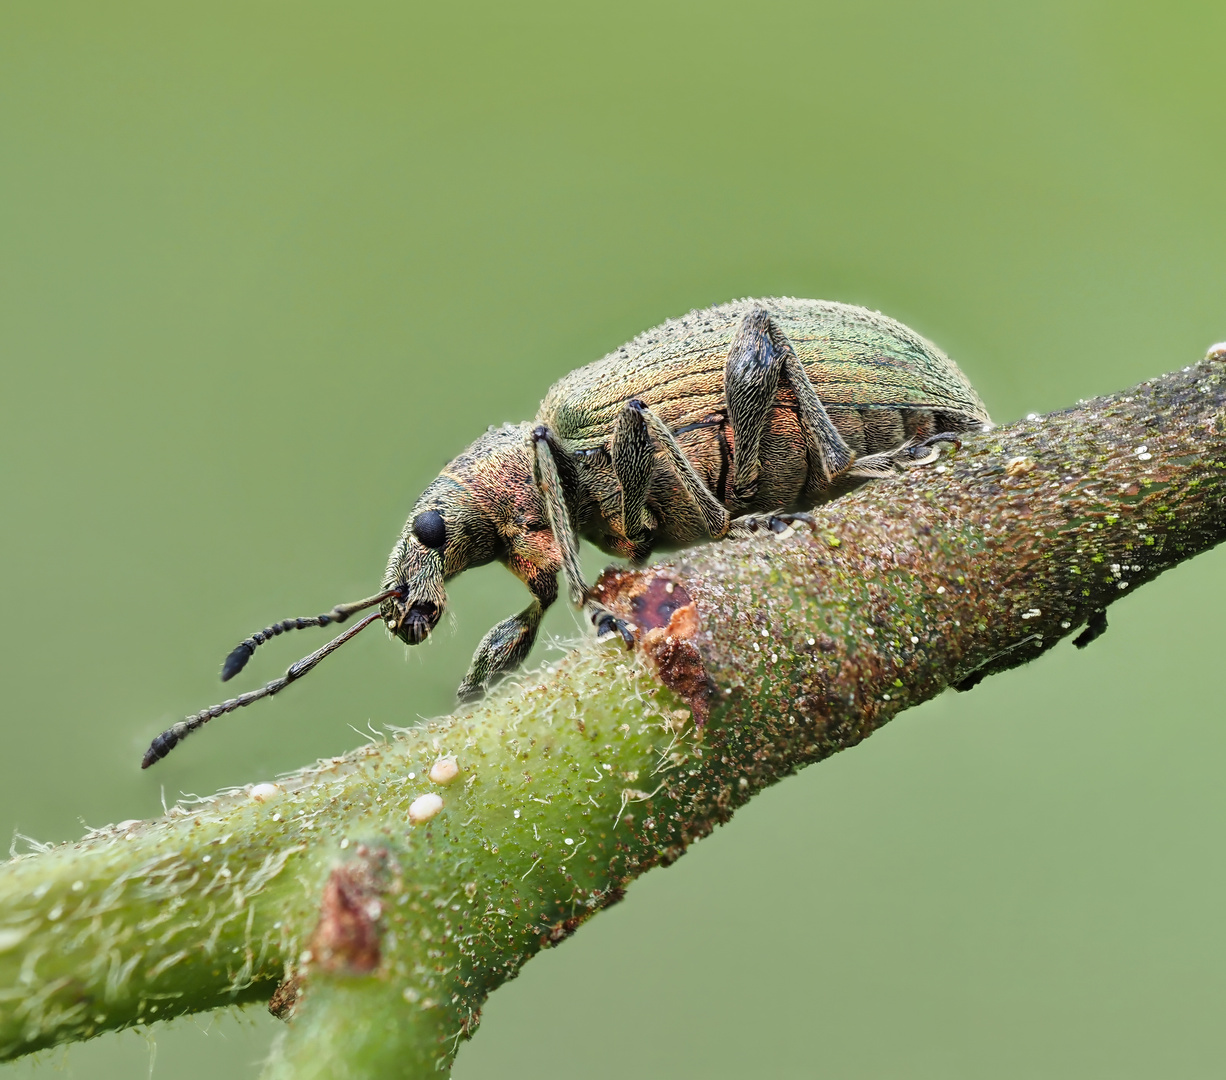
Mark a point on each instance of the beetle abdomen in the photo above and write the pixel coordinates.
(882, 385)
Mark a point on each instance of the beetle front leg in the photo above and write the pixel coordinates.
(759, 355)
(503, 649)
(532, 557)
(550, 480)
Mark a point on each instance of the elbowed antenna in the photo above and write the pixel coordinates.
(241, 653)
(171, 737)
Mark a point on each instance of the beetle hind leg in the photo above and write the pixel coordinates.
(908, 456)
(761, 524)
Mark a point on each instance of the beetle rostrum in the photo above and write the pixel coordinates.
(686, 434)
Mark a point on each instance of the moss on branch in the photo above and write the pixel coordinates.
(383, 920)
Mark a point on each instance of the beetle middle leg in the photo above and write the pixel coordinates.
(552, 484)
(637, 435)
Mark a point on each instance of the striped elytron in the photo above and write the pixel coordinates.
(683, 435)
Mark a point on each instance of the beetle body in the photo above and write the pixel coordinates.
(682, 435)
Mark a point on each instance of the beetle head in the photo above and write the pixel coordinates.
(466, 518)
(416, 571)
(459, 522)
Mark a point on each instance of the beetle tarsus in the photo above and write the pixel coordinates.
(752, 524)
(943, 437)
(970, 681)
(505, 647)
(608, 623)
(918, 451)
(909, 456)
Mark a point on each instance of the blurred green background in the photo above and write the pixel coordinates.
(265, 266)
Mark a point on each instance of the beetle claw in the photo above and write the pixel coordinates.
(778, 524)
(781, 523)
(931, 442)
(608, 623)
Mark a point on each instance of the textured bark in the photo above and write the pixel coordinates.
(383, 938)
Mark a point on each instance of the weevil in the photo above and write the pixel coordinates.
(691, 432)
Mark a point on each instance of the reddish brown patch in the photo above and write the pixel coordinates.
(347, 936)
(681, 669)
(617, 587)
(655, 606)
(667, 619)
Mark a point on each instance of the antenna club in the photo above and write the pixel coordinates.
(164, 744)
(236, 661)
(172, 736)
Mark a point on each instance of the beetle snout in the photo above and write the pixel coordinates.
(413, 622)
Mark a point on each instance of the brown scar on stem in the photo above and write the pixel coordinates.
(667, 619)
(346, 938)
(347, 935)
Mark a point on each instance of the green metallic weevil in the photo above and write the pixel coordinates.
(683, 435)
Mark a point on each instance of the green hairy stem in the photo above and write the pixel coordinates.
(383, 895)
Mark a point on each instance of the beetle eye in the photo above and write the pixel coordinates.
(430, 529)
